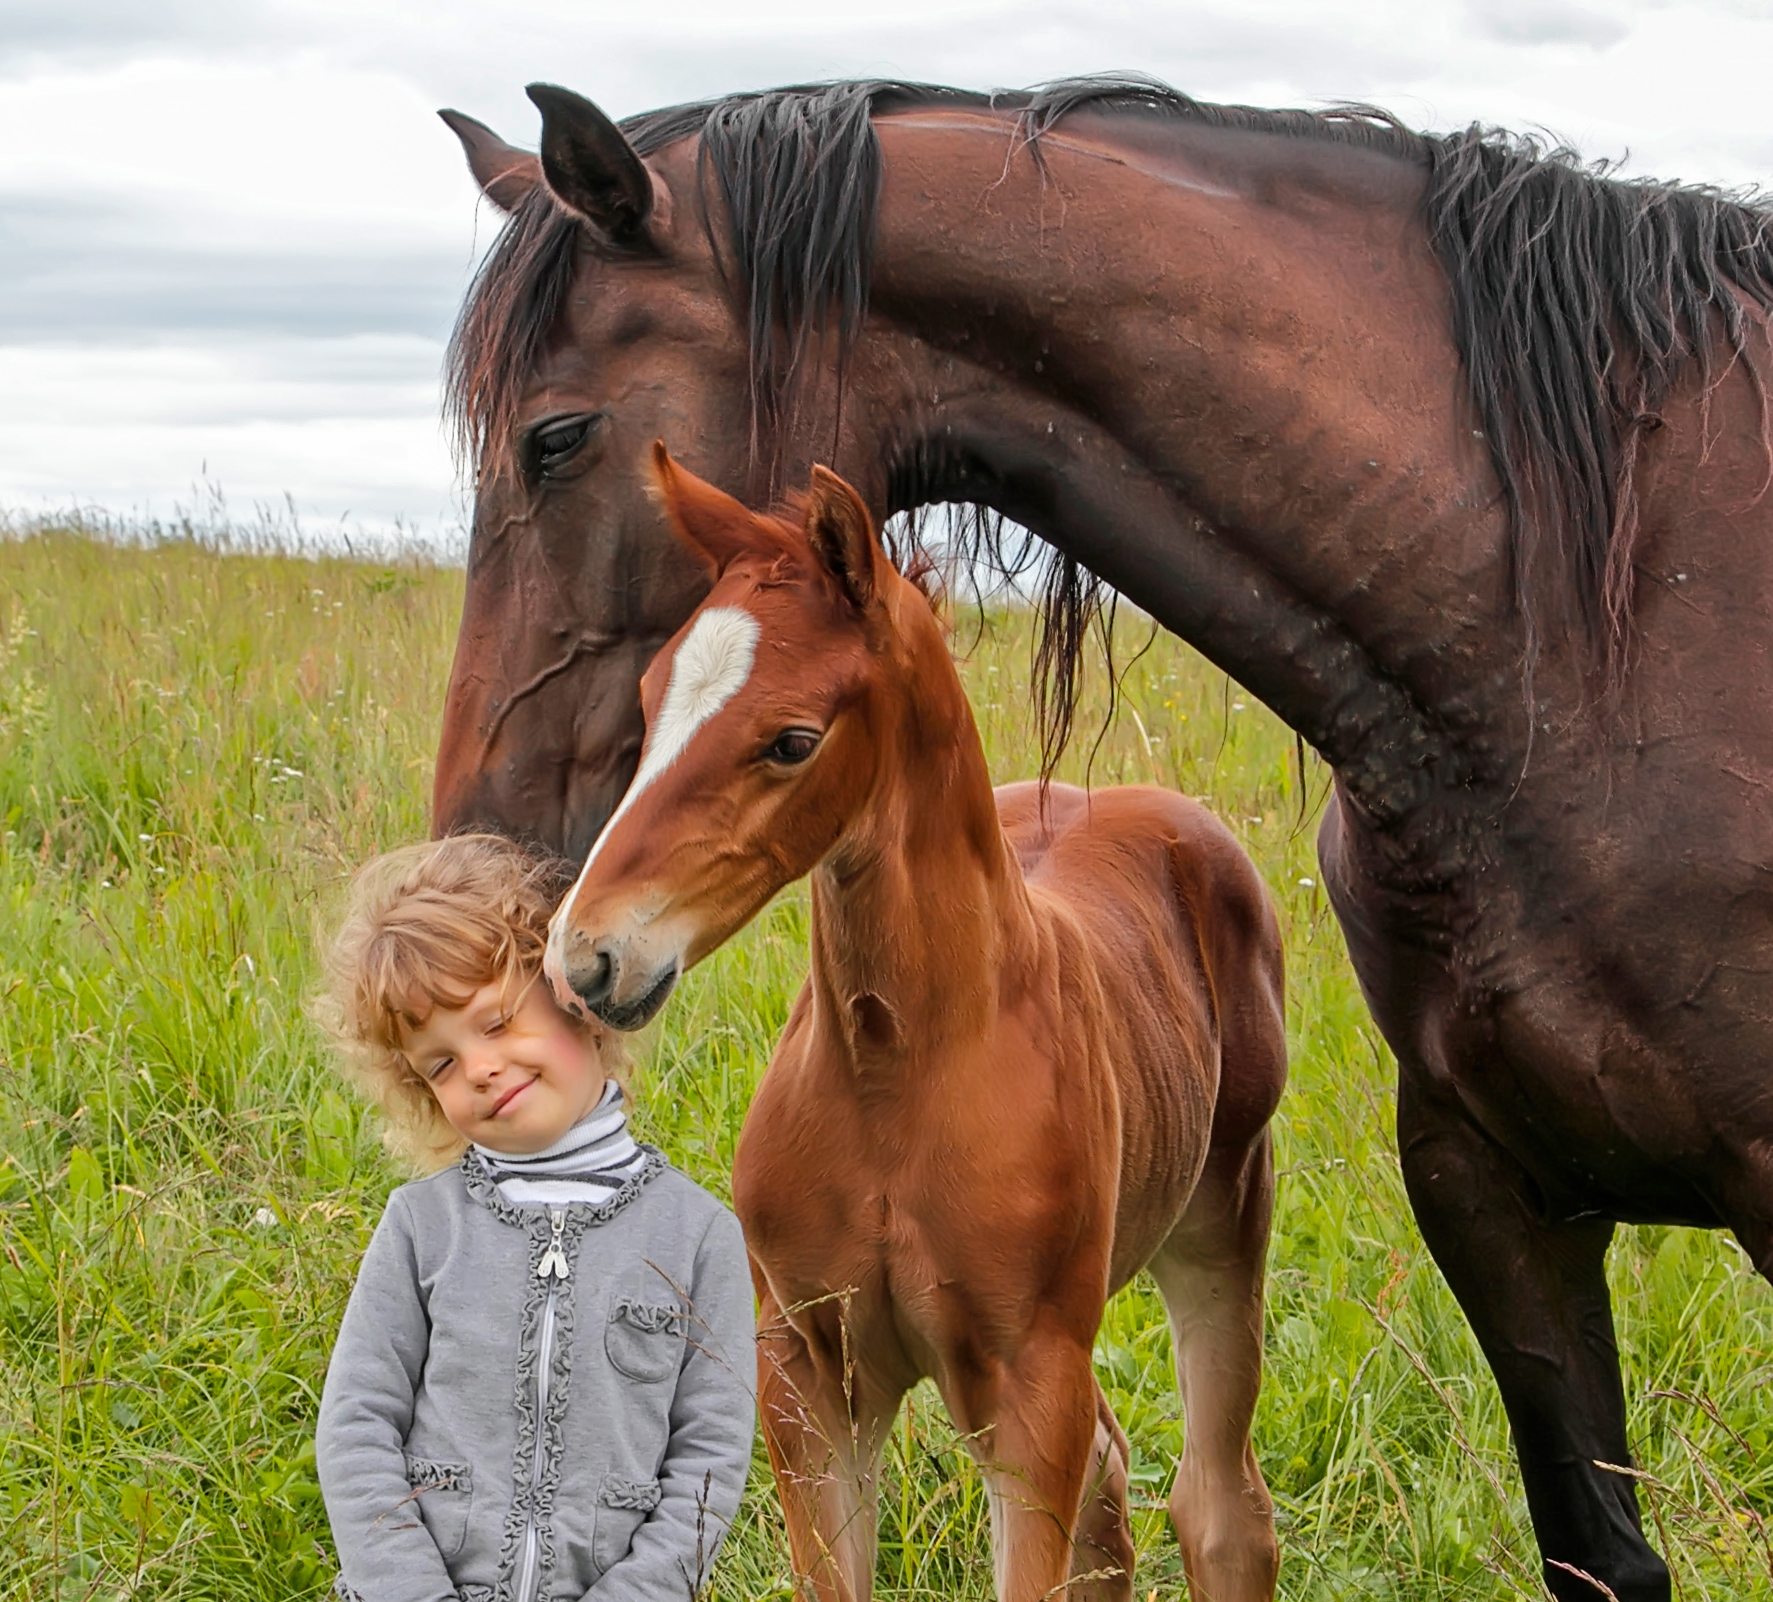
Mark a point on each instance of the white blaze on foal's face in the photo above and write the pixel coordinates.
(708, 669)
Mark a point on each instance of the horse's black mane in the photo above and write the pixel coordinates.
(1577, 300)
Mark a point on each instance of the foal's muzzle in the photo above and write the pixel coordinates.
(592, 977)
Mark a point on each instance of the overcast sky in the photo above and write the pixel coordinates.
(233, 233)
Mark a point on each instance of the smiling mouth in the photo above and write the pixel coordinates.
(510, 1095)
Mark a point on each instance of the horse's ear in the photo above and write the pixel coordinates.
(709, 521)
(591, 167)
(841, 534)
(505, 174)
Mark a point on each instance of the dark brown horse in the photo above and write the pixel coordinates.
(1038, 1050)
(1454, 452)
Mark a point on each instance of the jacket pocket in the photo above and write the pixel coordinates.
(622, 1507)
(645, 1332)
(444, 1492)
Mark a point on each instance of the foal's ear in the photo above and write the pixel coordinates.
(842, 536)
(709, 521)
(505, 174)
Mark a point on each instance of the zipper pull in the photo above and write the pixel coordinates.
(553, 1263)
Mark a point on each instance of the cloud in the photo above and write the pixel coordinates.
(102, 269)
(234, 231)
(342, 426)
(96, 33)
(1537, 22)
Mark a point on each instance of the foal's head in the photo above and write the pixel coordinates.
(770, 717)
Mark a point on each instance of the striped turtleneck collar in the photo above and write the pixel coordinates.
(589, 1163)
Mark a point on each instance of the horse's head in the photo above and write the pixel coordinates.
(765, 281)
(601, 322)
(767, 716)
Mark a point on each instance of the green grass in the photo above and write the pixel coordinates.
(196, 746)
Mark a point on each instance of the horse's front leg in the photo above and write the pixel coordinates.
(1032, 1426)
(1535, 1291)
(824, 1416)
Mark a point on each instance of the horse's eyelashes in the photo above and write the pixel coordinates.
(558, 442)
(549, 446)
(793, 746)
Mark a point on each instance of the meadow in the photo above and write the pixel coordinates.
(196, 746)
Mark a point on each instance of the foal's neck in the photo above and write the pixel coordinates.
(921, 907)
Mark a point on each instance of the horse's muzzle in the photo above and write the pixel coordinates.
(590, 978)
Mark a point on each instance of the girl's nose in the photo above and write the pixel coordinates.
(479, 1067)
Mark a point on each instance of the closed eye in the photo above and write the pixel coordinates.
(439, 1068)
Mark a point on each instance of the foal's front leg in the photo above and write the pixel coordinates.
(1032, 1426)
(1102, 1543)
(824, 1416)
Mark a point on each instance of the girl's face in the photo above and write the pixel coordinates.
(515, 1083)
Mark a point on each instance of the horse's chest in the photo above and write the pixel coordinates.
(1564, 998)
(935, 1248)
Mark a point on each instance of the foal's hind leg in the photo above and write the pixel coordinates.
(824, 1429)
(1209, 1272)
(1102, 1546)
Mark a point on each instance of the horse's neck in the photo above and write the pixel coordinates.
(1244, 414)
(922, 907)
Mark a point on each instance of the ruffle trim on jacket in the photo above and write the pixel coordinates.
(465, 1593)
(427, 1474)
(483, 1187)
(635, 1496)
(535, 1484)
(655, 1318)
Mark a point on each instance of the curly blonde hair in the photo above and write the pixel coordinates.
(424, 927)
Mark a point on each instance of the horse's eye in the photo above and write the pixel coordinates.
(552, 445)
(792, 747)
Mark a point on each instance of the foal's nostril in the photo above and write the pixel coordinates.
(590, 972)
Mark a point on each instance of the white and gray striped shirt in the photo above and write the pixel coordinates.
(589, 1163)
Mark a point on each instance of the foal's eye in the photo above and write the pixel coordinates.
(549, 446)
(792, 747)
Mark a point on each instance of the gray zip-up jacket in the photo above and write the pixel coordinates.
(536, 1404)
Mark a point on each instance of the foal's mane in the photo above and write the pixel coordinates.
(1578, 301)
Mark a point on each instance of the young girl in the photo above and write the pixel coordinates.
(542, 1388)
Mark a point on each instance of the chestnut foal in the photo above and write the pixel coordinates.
(1038, 1050)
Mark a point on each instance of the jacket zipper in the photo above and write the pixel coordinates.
(552, 1268)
